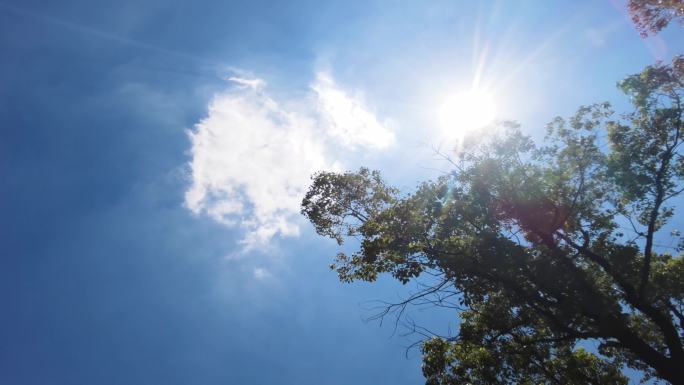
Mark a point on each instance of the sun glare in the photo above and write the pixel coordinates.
(467, 111)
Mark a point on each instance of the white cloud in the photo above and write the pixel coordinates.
(254, 84)
(261, 273)
(598, 36)
(252, 158)
(347, 118)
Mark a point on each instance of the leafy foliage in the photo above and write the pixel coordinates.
(651, 16)
(543, 246)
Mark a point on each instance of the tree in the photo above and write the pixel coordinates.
(651, 16)
(546, 249)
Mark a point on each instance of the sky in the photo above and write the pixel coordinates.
(153, 156)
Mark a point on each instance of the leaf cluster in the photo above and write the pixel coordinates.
(651, 16)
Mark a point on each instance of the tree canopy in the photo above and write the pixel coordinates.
(545, 248)
(651, 16)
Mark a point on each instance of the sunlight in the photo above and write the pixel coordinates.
(467, 111)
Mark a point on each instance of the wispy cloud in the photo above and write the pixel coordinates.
(261, 273)
(598, 36)
(254, 84)
(347, 118)
(252, 157)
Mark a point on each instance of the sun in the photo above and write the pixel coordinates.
(466, 111)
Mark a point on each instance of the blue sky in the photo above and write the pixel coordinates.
(152, 155)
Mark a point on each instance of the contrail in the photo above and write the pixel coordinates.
(82, 29)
